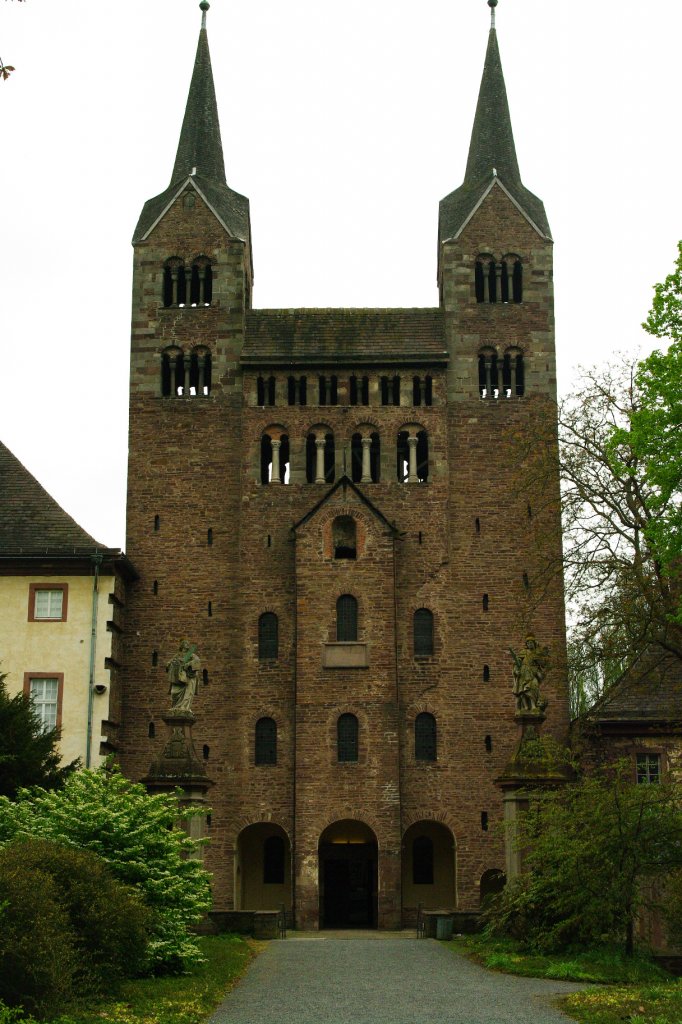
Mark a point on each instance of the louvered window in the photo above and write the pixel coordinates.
(268, 637)
(423, 633)
(425, 737)
(346, 618)
(347, 738)
(266, 741)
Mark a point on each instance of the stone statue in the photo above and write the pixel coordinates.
(183, 676)
(529, 671)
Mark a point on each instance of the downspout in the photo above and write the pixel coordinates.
(96, 561)
(399, 723)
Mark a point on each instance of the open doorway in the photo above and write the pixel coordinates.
(348, 876)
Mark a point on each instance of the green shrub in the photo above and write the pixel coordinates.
(38, 958)
(107, 920)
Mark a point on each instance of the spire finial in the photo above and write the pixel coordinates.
(492, 4)
(205, 5)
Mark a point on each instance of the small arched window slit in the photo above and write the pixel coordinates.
(157, 522)
(484, 820)
(155, 658)
(269, 541)
(478, 525)
(151, 731)
(486, 673)
(210, 609)
(530, 511)
(526, 582)
(155, 587)
(209, 820)
(486, 602)
(209, 537)
(420, 536)
(204, 676)
(206, 750)
(489, 744)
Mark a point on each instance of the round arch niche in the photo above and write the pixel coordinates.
(348, 875)
(263, 867)
(428, 869)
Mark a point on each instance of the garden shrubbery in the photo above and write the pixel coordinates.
(67, 926)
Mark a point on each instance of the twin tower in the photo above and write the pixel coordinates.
(334, 506)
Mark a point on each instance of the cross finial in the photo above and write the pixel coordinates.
(204, 6)
(492, 4)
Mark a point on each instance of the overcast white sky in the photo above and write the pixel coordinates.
(345, 124)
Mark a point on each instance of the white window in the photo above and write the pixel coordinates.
(48, 604)
(44, 696)
(648, 768)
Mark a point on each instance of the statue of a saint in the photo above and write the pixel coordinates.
(530, 666)
(183, 676)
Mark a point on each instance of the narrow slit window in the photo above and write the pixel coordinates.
(347, 738)
(347, 618)
(268, 637)
(423, 633)
(425, 744)
(266, 741)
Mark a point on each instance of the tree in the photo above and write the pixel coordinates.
(28, 755)
(596, 853)
(138, 836)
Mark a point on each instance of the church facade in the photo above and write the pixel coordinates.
(332, 505)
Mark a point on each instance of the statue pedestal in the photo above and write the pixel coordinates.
(531, 767)
(178, 765)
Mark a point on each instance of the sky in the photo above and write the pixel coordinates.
(344, 124)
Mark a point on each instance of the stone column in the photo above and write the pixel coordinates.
(185, 388)
(412, 477)
(175, 292)
(488, 377)
(320, 444)
(366, 443)
(202, 374)
(275, 478)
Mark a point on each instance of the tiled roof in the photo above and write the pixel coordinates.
(649, 691)
(367, 336)
(31, 521)
(491, 150)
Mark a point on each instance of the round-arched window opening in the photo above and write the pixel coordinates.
(344, 537)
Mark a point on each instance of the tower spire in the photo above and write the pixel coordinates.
(200, 150)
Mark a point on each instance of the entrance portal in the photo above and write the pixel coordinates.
(348, 876)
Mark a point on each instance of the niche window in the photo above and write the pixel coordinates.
(174, 283)
(413, 456)
(347, 738)
(365, 458)
(648, 768)
(425, 737)
(266, 741)
(422, 391)
(274, 459)
(498, 281)
(359, 390)
(265, 391)
(344, 537)
(347, 618)
(273, 861)
(268, 637)
(297, 390)
(504, 379)
(201, 282)
(390, 390)
(422, 861)
(320, 457)
(422, 632)
(328, 390)
(47, 603)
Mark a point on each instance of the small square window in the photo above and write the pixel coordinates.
(45, 692)
(47, 603)
(648, 769)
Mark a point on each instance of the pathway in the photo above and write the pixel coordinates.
(319, 979)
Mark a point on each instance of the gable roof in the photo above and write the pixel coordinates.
(649, 691)
(492, 154)
(31, 521)
(360, 336)
(345, 482)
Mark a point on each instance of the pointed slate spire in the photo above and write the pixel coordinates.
(200, 150)
(199, 161)
(492, 153)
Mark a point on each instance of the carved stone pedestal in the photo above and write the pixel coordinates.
(179, 767)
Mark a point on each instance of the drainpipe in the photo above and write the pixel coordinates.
(96, 561)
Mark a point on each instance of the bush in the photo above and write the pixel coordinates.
(37, 949)
(107, 920)
(141, 840)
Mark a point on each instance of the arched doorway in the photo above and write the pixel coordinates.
(428, 866)
(348, 876)
(263, 868)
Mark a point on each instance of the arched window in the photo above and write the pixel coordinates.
(268, 637)
(172, 373)
(200, 372)
(517, 282)
(423, 633)
(174, 291)
(416, 391)
(422, 456)
(329, 393)
(428, 391)
(422, 861)
(365, 458)
(347, 738)
(273, 861)
(513, 374)
(274, 459)
(488, 385)
(359, 390)
(297, 390)
(413, 457)
(265, 391)
(347, 618)
(425, 746)
(344, 537)
(266, 741)
(200, 283)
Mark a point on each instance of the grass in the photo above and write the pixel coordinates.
(636, 990)
(177, 999)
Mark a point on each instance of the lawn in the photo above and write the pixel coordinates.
(179, 999)
(652, 1004)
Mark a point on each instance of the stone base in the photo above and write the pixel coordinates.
(178, 764)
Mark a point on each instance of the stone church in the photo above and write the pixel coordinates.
(330, 505)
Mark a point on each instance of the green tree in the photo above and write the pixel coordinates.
(138, 836)
(28, 756)
(596, 853)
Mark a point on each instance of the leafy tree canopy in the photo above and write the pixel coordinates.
(141, 839)
(28, 756)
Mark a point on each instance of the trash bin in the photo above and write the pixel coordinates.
(444, 928)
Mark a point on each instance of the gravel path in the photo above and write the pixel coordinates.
(395, 981)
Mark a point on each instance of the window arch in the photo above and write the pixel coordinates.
(274, 459)
(200, 280)
(172, 372)
(425, 741)
(488, 373)
(347, 618)
(297, 390)
(320, 457)
(390, 390)
(413, 456)
(365, 457)
(266, 388)
(347, 738)
(174, 282)
(513, 373)
(422, 861)
(200, 371)
(266, 741)
(422, 632)
(274, 852)
(328, 389)
(268, 637)
(344, 537)
(358, 390)
(498, 281)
